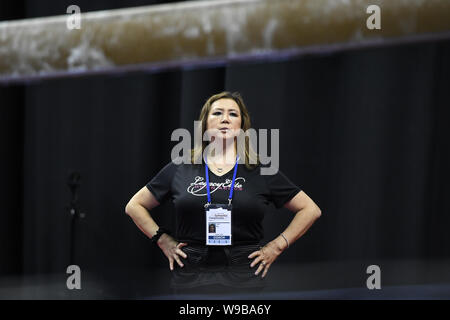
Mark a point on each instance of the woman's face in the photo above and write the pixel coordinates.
(224, 118)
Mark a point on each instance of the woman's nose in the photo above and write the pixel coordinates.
(225, 117)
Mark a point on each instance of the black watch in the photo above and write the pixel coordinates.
(159, 233)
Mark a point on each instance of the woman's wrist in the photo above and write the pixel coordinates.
(159, 233)
(281, 243)
(162, 238)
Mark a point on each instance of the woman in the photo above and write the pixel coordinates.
(232, 257)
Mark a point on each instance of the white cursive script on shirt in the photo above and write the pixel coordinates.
(198, 187)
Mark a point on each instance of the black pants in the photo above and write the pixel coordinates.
(217, 270)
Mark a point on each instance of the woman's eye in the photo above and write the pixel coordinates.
(234, 114)
(216, 113)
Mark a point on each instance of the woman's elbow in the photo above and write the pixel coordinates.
(129, 208)
(317, 212)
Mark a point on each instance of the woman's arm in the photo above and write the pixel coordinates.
(138, 209)
(306, 213)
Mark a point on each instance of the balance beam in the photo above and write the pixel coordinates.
(196, 32)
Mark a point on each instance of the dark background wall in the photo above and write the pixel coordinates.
(363, 132)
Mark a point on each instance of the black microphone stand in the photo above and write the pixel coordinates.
(73, 182)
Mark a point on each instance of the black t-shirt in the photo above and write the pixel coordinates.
(185, 185)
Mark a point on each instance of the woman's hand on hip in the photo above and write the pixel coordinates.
(264, 257)
(172, 249)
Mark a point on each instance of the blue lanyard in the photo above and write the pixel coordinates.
(230, 197)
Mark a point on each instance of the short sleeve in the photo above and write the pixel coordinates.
(281, 189)
(160, 185)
